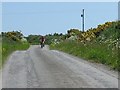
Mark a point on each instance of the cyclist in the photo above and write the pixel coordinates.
(42, 41)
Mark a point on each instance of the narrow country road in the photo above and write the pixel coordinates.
(44, 68)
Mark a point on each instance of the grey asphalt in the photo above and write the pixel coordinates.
(44, 68)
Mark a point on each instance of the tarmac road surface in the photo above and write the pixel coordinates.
(44, 68)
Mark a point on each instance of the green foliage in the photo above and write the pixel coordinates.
(91, 51)
(56, 37)
(33, 39)
(101, 44)
(90, 34)
(9, 45)
(73, 32)
(14, 35)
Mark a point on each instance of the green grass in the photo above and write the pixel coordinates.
(104, 49)
(94, 52)
(8, 46)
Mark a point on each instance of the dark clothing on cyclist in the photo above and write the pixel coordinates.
(42, 41)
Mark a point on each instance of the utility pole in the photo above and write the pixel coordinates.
(82, 15)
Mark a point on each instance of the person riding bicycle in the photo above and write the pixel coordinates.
(42, 41)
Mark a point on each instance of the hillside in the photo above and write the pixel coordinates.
(99, 44)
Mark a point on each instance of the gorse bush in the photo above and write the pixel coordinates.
(100, 44)
(14, 35)
(90, 34)
(10, 44)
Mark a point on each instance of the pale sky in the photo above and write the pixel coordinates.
(50, 17)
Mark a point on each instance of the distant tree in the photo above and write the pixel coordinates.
(61, 34)
(33, 39)
(56, 34)
(73, 32)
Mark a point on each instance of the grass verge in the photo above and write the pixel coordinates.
(94, 52)
(9, 46)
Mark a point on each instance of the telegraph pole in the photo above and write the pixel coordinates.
(82, 15)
